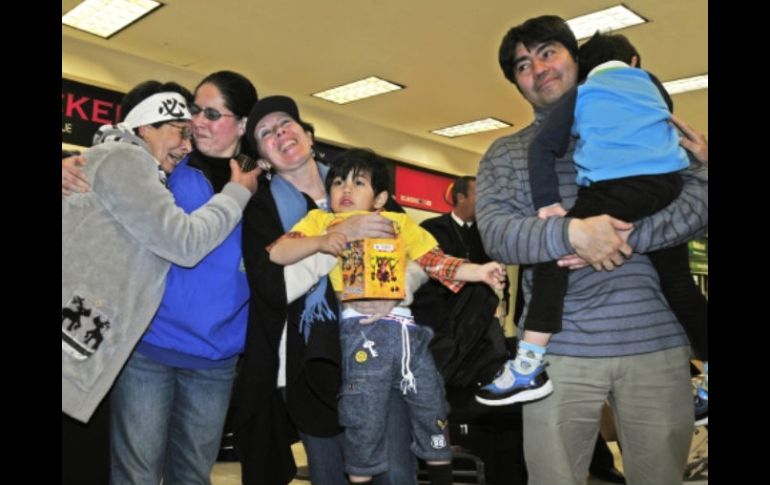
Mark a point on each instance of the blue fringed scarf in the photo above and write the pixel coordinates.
(292, 207)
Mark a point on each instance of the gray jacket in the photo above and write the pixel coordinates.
(118, 241)
(606, 314)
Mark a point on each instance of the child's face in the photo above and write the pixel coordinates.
(355, 193)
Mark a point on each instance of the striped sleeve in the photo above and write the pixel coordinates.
(509, 227)
(684, 219)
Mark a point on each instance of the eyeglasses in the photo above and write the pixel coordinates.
(184, 130)
(210, 114)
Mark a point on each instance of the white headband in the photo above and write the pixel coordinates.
(166, 106)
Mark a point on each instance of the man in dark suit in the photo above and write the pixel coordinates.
(458, 236)
(464, 355)
(456, 231)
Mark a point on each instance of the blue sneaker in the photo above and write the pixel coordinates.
(511, 386)
(701, 401)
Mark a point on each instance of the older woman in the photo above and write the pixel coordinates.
(291, 373)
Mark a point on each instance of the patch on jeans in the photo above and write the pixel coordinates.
(438, 441)
(361, 356)
(81, 332)
(441, 424)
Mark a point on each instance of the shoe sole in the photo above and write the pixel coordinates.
(524, 396)
(702, 422)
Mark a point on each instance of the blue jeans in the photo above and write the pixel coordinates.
(326, 461)
(389, 355)
(167, 422)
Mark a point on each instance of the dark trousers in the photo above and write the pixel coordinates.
(628, 199)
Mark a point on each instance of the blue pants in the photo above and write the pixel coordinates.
(389, 355)
(326, 457)
(167, 422)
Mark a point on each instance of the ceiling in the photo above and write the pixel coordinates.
(443, 51)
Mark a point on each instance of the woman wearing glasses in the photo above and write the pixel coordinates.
(170, 402)
(118, 241)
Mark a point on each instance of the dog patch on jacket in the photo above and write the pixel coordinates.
(82, 328)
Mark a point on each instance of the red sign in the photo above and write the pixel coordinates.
(422, 190)
(84, 108)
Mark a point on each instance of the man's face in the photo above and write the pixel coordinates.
(466, 203)
(544, 73)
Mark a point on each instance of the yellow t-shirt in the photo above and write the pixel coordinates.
(417, 241)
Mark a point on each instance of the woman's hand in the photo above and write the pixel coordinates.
(73, 180)
(365, 226)
(248, 178)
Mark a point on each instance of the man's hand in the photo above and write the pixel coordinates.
(693, 140)
(572, 262)
(601, 241)
(73, 180)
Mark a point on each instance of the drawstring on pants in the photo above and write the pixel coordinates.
(408, 382)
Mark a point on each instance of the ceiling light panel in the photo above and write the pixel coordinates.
(478, 126)
(613, 18)
(365, 88)
(106, 17)
(687, 84)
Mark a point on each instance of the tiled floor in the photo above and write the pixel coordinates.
(230, 473)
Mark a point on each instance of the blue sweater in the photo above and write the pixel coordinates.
(201, 321)
(621, 120)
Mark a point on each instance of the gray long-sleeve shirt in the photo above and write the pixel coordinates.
(606, 314)
(118, 241)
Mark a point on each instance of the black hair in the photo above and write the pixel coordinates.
(392, 206)
(461, 187)
(359, 161)
(605, 47)
(237, 91)
(546, 28)
(308, 127)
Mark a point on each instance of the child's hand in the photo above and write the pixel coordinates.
(333, 243)
(493, 274)
(553, 210)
